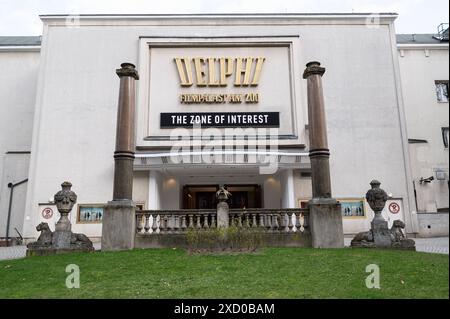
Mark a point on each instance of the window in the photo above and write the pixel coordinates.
(442, 91)
(445, 136)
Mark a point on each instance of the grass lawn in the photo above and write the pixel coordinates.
(270, 273)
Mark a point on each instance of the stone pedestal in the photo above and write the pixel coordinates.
(325, 219)
(381, 233)
(119, 225)
(61, 239)
(222, 215)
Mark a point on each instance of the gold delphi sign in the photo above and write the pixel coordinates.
(215, 72)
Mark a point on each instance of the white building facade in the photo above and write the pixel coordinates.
(248, 67)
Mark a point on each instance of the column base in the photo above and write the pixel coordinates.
(326, 223)
(119, 225)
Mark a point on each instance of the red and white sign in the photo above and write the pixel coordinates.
(47, 213)
(394, 208)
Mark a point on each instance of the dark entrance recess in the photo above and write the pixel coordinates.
(204, 196)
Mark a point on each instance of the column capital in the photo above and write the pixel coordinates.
(127, 69)
(313, 68)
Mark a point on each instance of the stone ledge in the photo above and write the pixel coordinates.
(179, 240)
(53, 251)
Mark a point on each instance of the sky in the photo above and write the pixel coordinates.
(21, 17)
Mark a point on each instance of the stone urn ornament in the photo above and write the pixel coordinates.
(379, 235)
(65, 199)
(376, 197)
(62, 239)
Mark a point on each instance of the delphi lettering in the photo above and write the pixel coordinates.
(215, 72)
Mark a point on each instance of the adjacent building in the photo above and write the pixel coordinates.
(424, 71)
(241, 77)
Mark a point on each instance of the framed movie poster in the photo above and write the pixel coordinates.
(352, 207)
(90, 213)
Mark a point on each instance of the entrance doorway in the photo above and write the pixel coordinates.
(204, 196)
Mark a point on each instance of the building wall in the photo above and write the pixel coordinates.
(433, 224)
(420, 68)
(18, 90)
(77, 99)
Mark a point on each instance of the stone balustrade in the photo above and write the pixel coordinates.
(151, 222)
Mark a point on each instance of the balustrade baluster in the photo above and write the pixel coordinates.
(290, 224)
(269, 221)
(170, 225)
(205, 221)
(191, 221)
(297, 222)
(301, 222)
(199, 225)
(213, 221)
(275, 223)
(163, 221)
(282, 221)
(254, 225)
(261, 220)
(239, 220)
(176, 223)
(247, 221)
(147, 223)
(183, 223)
(138, 224)
(155, 223)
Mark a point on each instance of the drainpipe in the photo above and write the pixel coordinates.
(415, 196)
(11, 185)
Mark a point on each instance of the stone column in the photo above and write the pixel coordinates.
(119, 220)
(325, 212)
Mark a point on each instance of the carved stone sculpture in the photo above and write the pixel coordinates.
(380, 235)
(45, 238)
(62, 239)
(222, 194)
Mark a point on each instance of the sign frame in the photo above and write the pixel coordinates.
(146, 138)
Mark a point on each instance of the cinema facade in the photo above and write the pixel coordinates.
(220, 100)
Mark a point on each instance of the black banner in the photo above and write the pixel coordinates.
(226, 119)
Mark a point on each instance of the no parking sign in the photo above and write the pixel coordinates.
(47, 213)
(394, 208)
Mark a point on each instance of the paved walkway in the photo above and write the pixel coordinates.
(16, 252)
(428, 245)
(438, 245)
